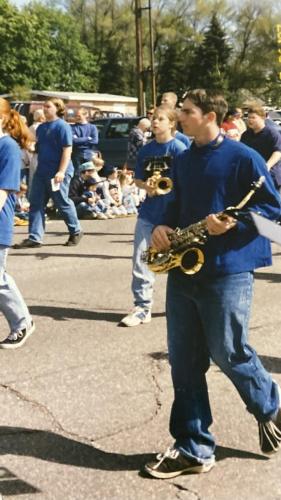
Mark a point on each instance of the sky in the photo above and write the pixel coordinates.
(19, 3)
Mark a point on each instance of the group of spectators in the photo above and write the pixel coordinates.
(261, 134)
(98, 191)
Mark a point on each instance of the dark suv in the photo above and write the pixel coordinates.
(113, 137)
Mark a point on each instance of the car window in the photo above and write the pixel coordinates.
(99, 125)
(118, 130)
(275, 115)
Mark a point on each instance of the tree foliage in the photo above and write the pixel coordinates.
(90, 45)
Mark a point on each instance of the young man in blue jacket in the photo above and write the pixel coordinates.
(208, 312)
(85, 139)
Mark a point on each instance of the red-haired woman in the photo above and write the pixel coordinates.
(14, 135)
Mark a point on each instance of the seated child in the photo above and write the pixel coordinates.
(116, 207)
(129, 193)
(22, 206)
(95, 204)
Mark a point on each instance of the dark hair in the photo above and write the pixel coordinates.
(207, 102)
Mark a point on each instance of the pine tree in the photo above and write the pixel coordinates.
(209, 69)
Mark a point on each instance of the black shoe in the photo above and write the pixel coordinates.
(28, 244)
(172, 463)
(73, 239)
(17, 339)
(270, 435)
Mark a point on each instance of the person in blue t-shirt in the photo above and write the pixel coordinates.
(161, 151)
(52, 177)
(208, 311)
(264, 139)
(12, 305)
(85, 138)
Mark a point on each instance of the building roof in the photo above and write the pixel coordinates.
(84, 96)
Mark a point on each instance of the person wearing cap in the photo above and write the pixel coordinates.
(95, 204)
(85, 138)
(77, 189)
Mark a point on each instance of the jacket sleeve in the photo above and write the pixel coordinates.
(76, 190)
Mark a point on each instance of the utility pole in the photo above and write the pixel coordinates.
(152, 65)
(139, 57)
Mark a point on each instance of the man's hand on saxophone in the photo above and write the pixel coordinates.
(159, 238)
(217, 225)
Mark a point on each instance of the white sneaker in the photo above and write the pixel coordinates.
(136, 317)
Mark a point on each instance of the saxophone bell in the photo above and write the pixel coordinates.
(191, 260)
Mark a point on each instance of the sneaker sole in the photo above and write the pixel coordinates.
(195, 469)
(15, 346)
(146, 320)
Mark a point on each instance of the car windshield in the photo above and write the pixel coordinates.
(275, 115)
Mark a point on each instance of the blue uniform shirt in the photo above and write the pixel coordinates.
(266, 142)
(52, 137)
(153, 207)
(10, 163)
(85, 139)
(209, 179)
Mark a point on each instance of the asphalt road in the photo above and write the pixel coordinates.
(85, 403)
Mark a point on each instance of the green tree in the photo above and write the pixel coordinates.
(41, 48)
(210, 63)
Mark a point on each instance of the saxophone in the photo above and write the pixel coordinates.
(186, 244)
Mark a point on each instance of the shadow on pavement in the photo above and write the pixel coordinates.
(45, 255)
(271, 363)
(271, 277)
(10, 484)
(53, 447)
(65, 313)
(222, 452)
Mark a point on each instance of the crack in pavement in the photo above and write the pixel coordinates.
(155, 370)
(44, 409)
(184, 489)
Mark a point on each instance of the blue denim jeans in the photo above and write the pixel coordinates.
(40, 193)
(143, 278)
(12, 304)
(209, 318)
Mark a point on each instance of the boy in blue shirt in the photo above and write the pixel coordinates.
(163, 149)
(264, 139)
(208, 312)
(85, 138)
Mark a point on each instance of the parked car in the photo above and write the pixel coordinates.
(113, 137)
(275, 115)
(27, 109)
